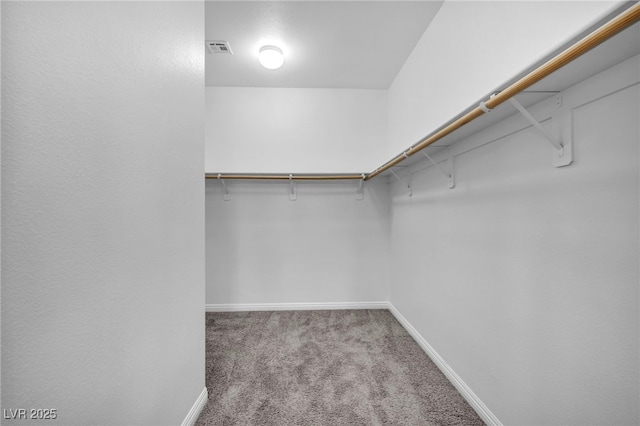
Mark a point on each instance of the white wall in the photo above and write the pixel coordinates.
(472, 48)
(278, 130)
(323, 247)
(0, 200)
(524, 278)
(102, 210)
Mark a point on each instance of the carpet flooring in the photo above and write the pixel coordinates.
(343, 367)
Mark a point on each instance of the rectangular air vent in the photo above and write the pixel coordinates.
(219, 46)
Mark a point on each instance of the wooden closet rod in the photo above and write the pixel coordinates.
(605, 32)
(293, 176)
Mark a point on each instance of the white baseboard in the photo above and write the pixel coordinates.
(244, 307)
(466, 392)
(193, 414)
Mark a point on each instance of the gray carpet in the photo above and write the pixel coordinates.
(345, 367)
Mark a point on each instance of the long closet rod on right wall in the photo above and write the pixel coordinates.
(602, 34)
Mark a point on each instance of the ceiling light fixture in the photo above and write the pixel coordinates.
(271, 57)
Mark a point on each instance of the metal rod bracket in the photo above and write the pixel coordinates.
(360, 191)
(408, 183)
(556, 143)
(561, 125)
(449, 173)
(293, 195)
(562, 155)
(452, 174)
(225, 191)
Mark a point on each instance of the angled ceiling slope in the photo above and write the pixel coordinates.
(327, 44)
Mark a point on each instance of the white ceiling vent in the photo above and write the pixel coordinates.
(219, 46)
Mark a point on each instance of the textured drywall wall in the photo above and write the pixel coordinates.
(324, 247)
(524, 277)
(0, 200)
(295, 130)
(472, 48)
(103, 210)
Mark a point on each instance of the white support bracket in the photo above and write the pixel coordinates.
(449, 174)
(400, 180)
(225, 191)
(293, 195)
(360, 191)
(563, 152)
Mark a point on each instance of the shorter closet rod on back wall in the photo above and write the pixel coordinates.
(294, 176)
(622, 21)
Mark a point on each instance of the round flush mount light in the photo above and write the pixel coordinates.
(271, 57)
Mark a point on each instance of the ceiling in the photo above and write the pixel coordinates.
(328, 44)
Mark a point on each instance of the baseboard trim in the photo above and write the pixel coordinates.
(483, 411)
(195, 411)
(244, 307)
